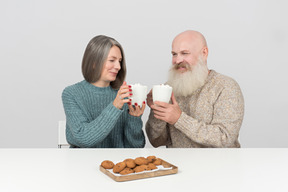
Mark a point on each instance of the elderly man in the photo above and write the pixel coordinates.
(206, 108)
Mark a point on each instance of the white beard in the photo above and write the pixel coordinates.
(186, 83)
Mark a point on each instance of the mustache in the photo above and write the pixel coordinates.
(181, 65)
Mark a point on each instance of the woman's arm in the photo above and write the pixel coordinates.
(87, 133)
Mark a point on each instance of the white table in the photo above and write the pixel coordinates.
(198, 170)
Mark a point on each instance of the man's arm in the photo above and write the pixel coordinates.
(156, 131)
(224, 128)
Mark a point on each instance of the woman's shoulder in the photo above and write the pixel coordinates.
(74, 88)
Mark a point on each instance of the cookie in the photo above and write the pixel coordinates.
(141, 161)
(107, 164)
(140, 168)
(151, 166)
(119, 167)
(157, 162)
(126, 171)
(151, 159)
(130, 163)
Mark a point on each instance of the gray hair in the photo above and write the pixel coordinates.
(95, 56)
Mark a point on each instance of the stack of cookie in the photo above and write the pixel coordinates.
(137, 165)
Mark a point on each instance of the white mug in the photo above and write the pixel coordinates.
(161, 93)
(139, 94)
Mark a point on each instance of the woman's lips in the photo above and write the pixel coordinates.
(114, 73)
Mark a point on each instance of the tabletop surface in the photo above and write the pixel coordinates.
(198, 170)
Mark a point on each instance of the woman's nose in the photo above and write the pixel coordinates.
(118, 65)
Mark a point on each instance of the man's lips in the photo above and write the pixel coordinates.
(181, 68)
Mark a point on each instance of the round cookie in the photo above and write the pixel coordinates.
(151, 166)
(107, 164)
(126, 171)
(151, 159)
(119, 167)
(157, 162)
(141, 161)
(140, 168)
(130, 163)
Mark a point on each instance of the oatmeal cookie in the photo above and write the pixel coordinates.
(119, 167)
(107, 164)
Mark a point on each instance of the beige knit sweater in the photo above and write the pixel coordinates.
(211, 117)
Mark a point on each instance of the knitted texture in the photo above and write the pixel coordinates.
(211, 117)
(92, 121)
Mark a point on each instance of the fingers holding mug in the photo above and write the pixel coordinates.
(122, 96)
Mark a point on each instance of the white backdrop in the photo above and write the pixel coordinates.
(42, 44)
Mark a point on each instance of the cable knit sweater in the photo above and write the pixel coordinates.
(211, 117)
(93, 121)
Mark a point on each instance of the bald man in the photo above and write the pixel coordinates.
(206, 107)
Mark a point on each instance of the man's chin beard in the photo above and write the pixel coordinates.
(186, 83)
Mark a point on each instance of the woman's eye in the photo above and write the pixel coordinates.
(111, 60)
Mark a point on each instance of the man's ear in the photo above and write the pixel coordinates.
(205, 52)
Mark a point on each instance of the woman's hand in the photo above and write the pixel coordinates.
(124, 91)
(136, 110)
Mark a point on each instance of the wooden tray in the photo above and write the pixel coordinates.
(144, 175)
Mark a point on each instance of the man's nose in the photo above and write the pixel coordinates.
(178, 59)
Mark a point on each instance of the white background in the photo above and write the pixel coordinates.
(42, 44)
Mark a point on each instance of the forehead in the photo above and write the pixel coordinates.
(115, 52)
(186, 42)
(178, 46)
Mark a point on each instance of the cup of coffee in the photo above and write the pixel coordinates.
(139, 94)
(161, 93)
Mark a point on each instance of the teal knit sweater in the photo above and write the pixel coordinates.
(92, 120)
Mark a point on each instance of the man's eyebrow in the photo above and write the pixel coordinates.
(185, 50)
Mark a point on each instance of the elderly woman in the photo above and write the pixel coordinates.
(98, 110)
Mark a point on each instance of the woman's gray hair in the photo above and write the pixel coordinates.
(95, 56)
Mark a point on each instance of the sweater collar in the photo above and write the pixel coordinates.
(96, 89)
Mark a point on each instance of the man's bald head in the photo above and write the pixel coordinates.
(194, 37)
(189, 70)
(190, 46)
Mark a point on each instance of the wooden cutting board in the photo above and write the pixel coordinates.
(143, 175)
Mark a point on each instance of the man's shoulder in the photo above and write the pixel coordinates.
(222, 82)
(222, 79)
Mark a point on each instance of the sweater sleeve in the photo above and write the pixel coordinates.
(157, 131)
(87, 133)
(133, 133)
(224, 129)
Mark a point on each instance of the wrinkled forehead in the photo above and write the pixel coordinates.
(181, 44)
(189, 40)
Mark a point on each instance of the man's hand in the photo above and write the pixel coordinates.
(149, 99)
(169, 113)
